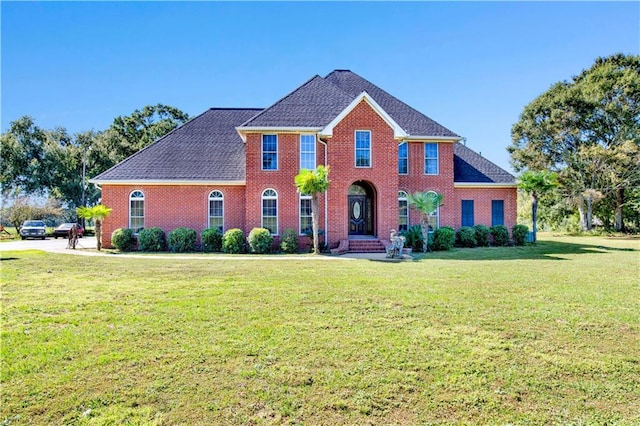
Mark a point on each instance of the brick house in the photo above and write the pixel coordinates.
(235, 168)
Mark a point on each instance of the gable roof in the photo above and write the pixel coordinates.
(471, 167)
(206, 148)
(312, 105)
(411, 120)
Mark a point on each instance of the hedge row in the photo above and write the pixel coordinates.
(184, 240)
(445, 238)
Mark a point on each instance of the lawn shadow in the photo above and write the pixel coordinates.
(543, 250)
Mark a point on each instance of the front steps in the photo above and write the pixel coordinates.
(365, 246)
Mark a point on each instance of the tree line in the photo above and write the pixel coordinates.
(57, 165)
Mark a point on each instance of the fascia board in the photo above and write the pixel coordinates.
(160, 182)
(492, 185)
(243, 130)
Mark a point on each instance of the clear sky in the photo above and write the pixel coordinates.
(470, 66)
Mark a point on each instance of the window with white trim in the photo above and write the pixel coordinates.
(270, 211)
(306, 222)
(430, 158)
(216, 210)
(269, 152)
(403, 211)
(363, 148)
(403, 158)
(434, 219)
(136, 211)
(308, 152)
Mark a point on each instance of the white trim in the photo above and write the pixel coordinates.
(487, 185)
(300, 198)
(315, 155)
(144, 207)
(262, 153)
(418, 138)
(244, 130)
(150, 182)
(262, 198)
(355, 149)
(209, 200)
(407, 158)
(398, 132)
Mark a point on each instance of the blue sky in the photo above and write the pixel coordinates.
(470, 66)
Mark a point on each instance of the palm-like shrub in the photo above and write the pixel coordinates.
(182, 240)
(413, 238)
(482, 235)
(289, 242)
(211, 240)
(152, 239)
(123, 239)
(466, 237)
(233, 241)
(260, 240)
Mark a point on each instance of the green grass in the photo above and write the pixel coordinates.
(545, 334)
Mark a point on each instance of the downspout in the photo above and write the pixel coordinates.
(326, 198)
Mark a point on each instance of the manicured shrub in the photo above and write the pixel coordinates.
(500, 235)
(444, 239)
(123, 239)
(211, 240)
(413, 238)
(182, 240)
(466, 237)
(233, 241)
(152, 239)
(519, 234)
(260, 240)
(289, 242)
(482, 235)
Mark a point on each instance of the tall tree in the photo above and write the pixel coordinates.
(592, 120)
(96, 213)
(426, 203)
(536, 184)
(314, 183)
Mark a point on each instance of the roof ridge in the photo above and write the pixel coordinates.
(234, 109)
(281, 99)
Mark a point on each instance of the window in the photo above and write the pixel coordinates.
(497, 212)
(403, 159)
(216, 210)
(306, 223)
(434, 219)
(467, 213)
(430, 158)
(136, 211)
(403, 211)
(269, 152)
(308, 152)
(363, 148)
(270, 211)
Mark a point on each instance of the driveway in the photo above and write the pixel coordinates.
(49, 244)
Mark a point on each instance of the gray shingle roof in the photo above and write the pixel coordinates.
(412, 121)
(205, 148)
(314, 104)
(471, 167)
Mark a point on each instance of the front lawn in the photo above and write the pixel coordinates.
(545, 334)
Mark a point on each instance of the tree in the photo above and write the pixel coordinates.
(426, 203)
(24, 209)
(314, 183)
(96, 213)
(536, 184)
(588, 131)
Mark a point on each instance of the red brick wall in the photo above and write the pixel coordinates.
(172, 206)
(482, 198)
(382, 175)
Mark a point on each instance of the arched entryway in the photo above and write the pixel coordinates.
(361, 209)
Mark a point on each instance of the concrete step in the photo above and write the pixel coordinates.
(366, 246)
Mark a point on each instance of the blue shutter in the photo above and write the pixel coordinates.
(467, 213)
(497, 212)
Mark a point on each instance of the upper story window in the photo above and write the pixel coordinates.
(403, 158)
(216, 210)
(363, 148)
(308, 152)
(430, 158)
(136, 211)
(269, 152)
(403, 211)
(270, 211)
